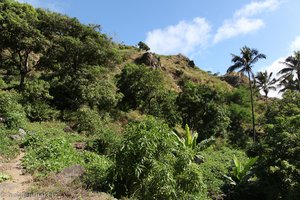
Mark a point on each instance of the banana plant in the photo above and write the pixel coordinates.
(241, 172)
(189, 139)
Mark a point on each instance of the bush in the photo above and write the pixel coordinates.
(36, 98)
(11, 111)
(152, 164)
(201, 108)
(45, 155)
(8, 147)
(217, 162)
(97, 171)
(87, 121)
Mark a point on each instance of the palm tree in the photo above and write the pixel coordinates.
(292, 69)
(245, 63)
(265, 83)
(287, 83)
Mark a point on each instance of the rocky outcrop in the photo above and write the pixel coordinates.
(235, 79)
(70, 174)
(149, 59)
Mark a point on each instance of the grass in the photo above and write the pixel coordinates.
(8, 148)
(218, 161)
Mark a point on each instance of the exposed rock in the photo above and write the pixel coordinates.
(19, 136)
(191, 63)
(80, 145)
(199, 159)
(16, 137)
(2, 120)
(22, 132)
(149, 59)
(69, 174)
(235, 79)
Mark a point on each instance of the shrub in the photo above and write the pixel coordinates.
(217, 162)
(152, 164)
(8, 147)
(97, 171)
(45, 155)
(201, 107)
(36, 98)
(10, 110)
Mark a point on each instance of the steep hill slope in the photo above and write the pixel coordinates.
(176, 68)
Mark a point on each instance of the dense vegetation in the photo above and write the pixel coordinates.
(166, 130)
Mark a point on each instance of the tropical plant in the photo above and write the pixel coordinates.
(291, 73)
(245, 63)
(265, 82)
(241, 172)
(152, 165)
(189, 139)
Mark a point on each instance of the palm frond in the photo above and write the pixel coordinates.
(234, 67)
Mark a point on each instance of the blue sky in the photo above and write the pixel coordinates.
(205, 31)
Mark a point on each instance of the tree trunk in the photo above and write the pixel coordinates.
(252, 108)
(298, 74)
(23, 68)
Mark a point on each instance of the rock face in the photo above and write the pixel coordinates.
(235, 79)
(190, 63)
(80, 145)
(20, 136)
(149, 59)
(69, 174)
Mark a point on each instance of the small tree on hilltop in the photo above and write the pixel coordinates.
(143, 46)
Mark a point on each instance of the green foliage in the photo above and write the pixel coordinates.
(240, 172)
(87, 120)
(98, 89)
(143, 46)
(36, 98)
(10, 110)
(150, 164)
(22, 19)
(240, 117)
(278, 166)
(97, 171)
(45, 155)
(201, 107)
(217, 162)
(8, 148)
(103, 138)
(189, 140)
(139, 85)
(4, 177)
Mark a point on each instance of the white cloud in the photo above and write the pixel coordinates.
(259, 7)
(275, 67)
(295, 45)
(236, 27)
(184, 37)
(241, 23)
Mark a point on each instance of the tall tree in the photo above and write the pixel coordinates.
(265, 82)
(245, 63)
(20, 38)
(291, 73)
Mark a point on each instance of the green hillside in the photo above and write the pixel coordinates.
(88, 118)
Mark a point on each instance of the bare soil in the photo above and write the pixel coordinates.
(18, 185)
